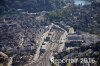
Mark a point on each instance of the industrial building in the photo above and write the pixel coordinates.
(75, 38)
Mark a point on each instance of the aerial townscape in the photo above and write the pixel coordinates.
(49, 33)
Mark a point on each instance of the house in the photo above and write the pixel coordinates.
(30, 48)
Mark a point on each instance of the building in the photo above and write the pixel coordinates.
(30, 48)
(75, 38)
(8, 19)
(2, 20)
(71, 30)
(3, 59)
(44, 43)
(3, 55)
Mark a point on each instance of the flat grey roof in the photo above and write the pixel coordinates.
(75, 37)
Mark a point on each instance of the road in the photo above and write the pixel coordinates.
(44, 60)
(42, 40)
(52, 46)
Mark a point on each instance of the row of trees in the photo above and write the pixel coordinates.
(30, 5)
